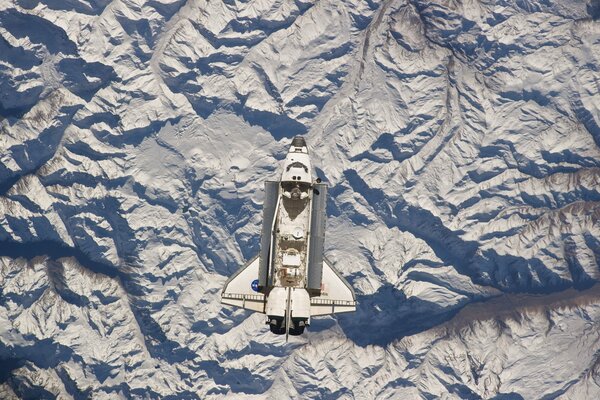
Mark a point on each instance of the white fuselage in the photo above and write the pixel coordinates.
(291, 236)
(292, 220)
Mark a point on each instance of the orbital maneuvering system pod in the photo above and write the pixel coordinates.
(290, 280)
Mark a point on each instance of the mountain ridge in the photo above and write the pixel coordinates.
(460, 143)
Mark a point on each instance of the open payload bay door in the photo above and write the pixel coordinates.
(337, 296)
(241, 290)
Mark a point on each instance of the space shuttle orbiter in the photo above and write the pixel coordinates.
(290, 280)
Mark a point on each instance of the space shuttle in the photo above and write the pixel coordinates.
(290, 280)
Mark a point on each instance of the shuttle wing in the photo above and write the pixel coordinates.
(337, 295)
(241, 290)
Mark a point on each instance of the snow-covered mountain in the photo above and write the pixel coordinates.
(461, 142)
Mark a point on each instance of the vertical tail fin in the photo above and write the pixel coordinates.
(288, 314)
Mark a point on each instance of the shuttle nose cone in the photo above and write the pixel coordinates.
(298, 141)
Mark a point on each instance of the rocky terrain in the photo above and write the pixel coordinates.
(461, 143)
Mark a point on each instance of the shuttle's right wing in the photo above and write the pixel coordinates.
(337, 295)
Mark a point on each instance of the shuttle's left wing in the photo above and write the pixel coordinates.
(241, 290)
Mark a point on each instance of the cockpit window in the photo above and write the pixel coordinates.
(297, 165)
(298, 141)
